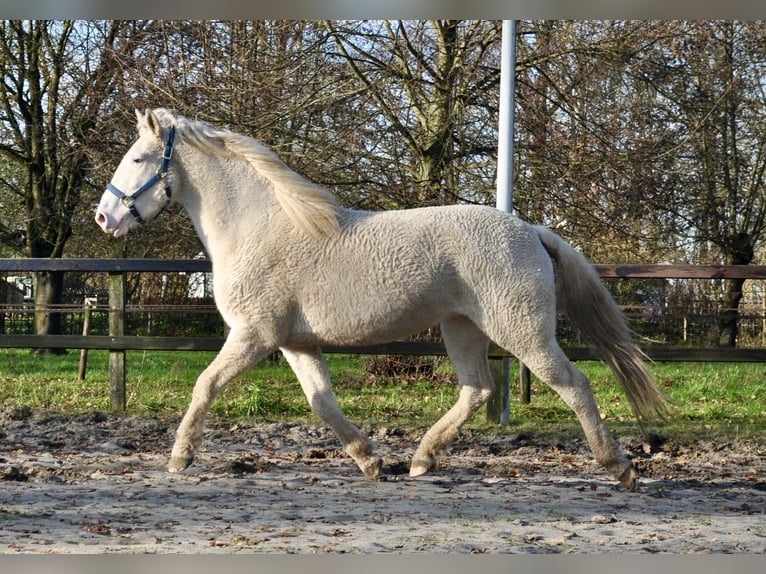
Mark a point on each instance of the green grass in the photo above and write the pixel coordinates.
(722, 395)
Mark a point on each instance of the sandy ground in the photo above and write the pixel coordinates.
(96, 483)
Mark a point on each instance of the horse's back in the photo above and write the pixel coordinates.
(473, 242)
(442, 229)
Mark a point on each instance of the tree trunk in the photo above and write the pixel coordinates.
(48, 288)
(728, 322)
(741, 251)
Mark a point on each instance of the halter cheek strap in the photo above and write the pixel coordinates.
(129, 201)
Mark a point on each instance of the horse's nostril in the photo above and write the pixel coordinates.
(100, 219)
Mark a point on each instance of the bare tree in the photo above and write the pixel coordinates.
(646, 140)
(56, 77)
(590, 149)
(711, 78)
(429, 106)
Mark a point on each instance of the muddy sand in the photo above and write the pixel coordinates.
(96, 483)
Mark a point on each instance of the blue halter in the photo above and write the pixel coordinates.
(129, 201)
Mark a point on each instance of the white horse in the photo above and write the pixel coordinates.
(293, 270)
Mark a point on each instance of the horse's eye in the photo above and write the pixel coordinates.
(137, 160)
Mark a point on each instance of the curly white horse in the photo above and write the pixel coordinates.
(293, 270)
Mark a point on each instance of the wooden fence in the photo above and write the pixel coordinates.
(117, 343)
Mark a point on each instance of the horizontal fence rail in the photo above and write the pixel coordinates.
(117, 343)
(681, 271)
(158, 343)
(204, 265)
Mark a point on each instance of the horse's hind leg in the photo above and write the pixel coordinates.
(550, 364)
(467, 348)
(310, 368)
(238, 353)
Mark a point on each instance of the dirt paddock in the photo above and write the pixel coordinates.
(96, 483)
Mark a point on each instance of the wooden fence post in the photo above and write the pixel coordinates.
(498, 404)
(117, 374)
(88, 305)
(525, 384)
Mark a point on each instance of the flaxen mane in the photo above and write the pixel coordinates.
(311, 208)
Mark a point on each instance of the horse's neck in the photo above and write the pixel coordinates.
(227, 210)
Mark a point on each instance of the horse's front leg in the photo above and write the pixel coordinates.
(310, 368)
(238, 354)
(467, 348)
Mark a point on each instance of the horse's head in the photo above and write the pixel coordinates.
(139, 190)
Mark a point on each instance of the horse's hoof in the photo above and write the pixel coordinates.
(372, 469)
(177, 464)
(421, 466)
(628, 478)
(418, 470)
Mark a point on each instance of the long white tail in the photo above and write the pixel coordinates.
(585, 300)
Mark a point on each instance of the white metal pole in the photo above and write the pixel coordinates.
(504, 193)
(505, 127)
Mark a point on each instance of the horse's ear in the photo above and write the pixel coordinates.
(139, 119)
(147, 120)
(153, 122)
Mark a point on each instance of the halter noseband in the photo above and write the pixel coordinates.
(129, 201)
